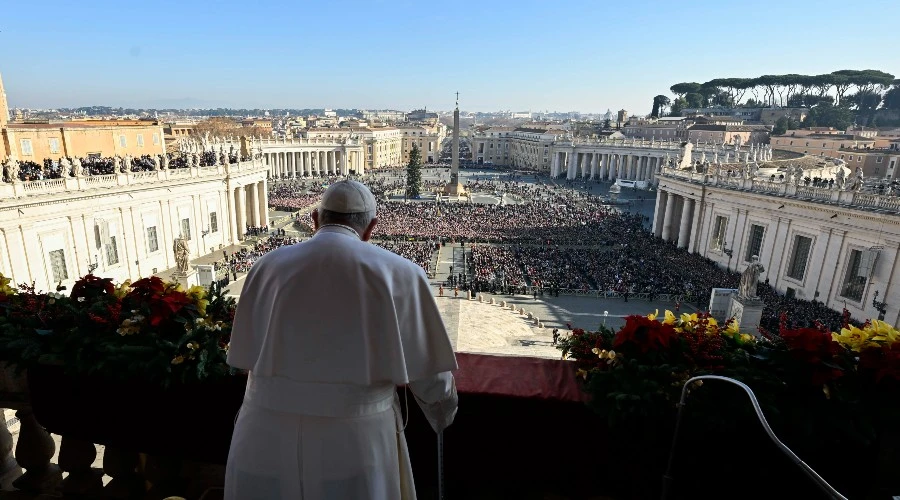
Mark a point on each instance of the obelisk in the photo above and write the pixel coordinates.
(454, 188)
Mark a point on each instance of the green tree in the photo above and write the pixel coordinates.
(680, 89)
(677, 106)
(659, 102)
(828, 115)
(414, 173)
(891, 98)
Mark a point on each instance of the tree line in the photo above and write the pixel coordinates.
(862, 91)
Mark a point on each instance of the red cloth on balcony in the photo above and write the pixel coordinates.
(513, 376)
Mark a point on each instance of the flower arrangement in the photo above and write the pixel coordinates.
(149, 329)
(847, 379)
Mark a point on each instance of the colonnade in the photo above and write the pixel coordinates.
(250, 205)
(675, 218)
(605, 166)
(294, 164)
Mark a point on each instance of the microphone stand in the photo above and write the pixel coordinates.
(667, 477)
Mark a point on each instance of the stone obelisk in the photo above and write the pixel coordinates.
(454, 188)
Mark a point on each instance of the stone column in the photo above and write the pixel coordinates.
(241, 196)
(262, 196)
(684, 230)
(232, 218)
(252, 205)
(594, 159)
(573, 158)
(667, 218)
(554, 164)
(659, 212)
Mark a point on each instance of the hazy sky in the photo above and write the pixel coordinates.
(500, 55)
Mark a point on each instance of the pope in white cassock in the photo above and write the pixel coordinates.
(328, 328)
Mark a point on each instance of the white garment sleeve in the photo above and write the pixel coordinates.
(437, 398)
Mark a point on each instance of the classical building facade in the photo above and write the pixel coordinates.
(427, 137)
(321, 155)
(100, 138)
(123, 225)
(830, 245)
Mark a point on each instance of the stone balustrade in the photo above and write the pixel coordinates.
(74, 184)
(784, 188)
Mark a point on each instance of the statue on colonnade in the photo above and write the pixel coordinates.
(182, 254)
(750, 279)
(77, 167)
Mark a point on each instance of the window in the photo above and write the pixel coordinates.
(186, 229)
(58, 265)
(858, 266)
(112, 251)
(754, 243)
(156, 139)
(140, 140)
(213, 222)
(54, 146)
(152, 241)
(799, 257)
(878, 160)
(26, 147)
(718, 235)
(851, 158)
(859, 158)
(123, 142)
(823, 144)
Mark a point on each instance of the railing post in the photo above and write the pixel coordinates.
(33, 453)
(76, 457)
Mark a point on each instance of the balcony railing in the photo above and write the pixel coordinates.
(782, 188)
(522, 429)
(75, 184)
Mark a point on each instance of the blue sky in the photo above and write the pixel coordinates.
(517, 55)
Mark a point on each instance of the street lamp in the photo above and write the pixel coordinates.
(881, 307)
(605, 314)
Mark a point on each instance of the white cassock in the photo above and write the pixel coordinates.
(328, 328)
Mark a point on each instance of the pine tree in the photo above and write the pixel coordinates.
(414, 173)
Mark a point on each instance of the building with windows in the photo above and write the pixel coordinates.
(833, 246)
(526, 147)
(123, 225)
(427, 137)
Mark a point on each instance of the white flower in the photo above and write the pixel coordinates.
(80, 299)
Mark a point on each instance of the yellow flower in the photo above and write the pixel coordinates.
(746, 337)
(883, 332)
(5, 289)
(670, 318)
(652, 316)
(196, 292)
(853, 338)
(689, 318)
(122, 290)
(710, 321)
(581, 373)
(731, 328)
(611, 355)
(177, 360)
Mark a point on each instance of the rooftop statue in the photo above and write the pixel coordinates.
(750, 279)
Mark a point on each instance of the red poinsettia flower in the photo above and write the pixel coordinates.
(816, 349)
(645, 334)
(883, 362)
(91, 286)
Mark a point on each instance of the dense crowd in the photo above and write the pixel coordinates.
(243, 260)
(420, 253)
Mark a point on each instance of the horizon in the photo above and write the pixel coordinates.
(540, 61)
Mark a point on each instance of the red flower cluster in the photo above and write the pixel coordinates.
(815, 349)
(159, 300)
(91, 287)
(883, 362)
(645, 334)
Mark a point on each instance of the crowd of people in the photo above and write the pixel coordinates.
(555, 238)
(243, 260)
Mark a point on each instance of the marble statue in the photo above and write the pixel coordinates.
(165, 161)
(703, 157)
(194, 160)
(77, 167)
(687, 148)
(156, 164)
(750, 279)
(127, 165)
(840, 178)
(859, 178)
(727, 157)
(716, 156)
(117, 163)
(182, 255)
(798, 174)
(65, 165)
(11, 170)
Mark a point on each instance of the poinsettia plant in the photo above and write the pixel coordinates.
(149, 329)
(847, 380)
